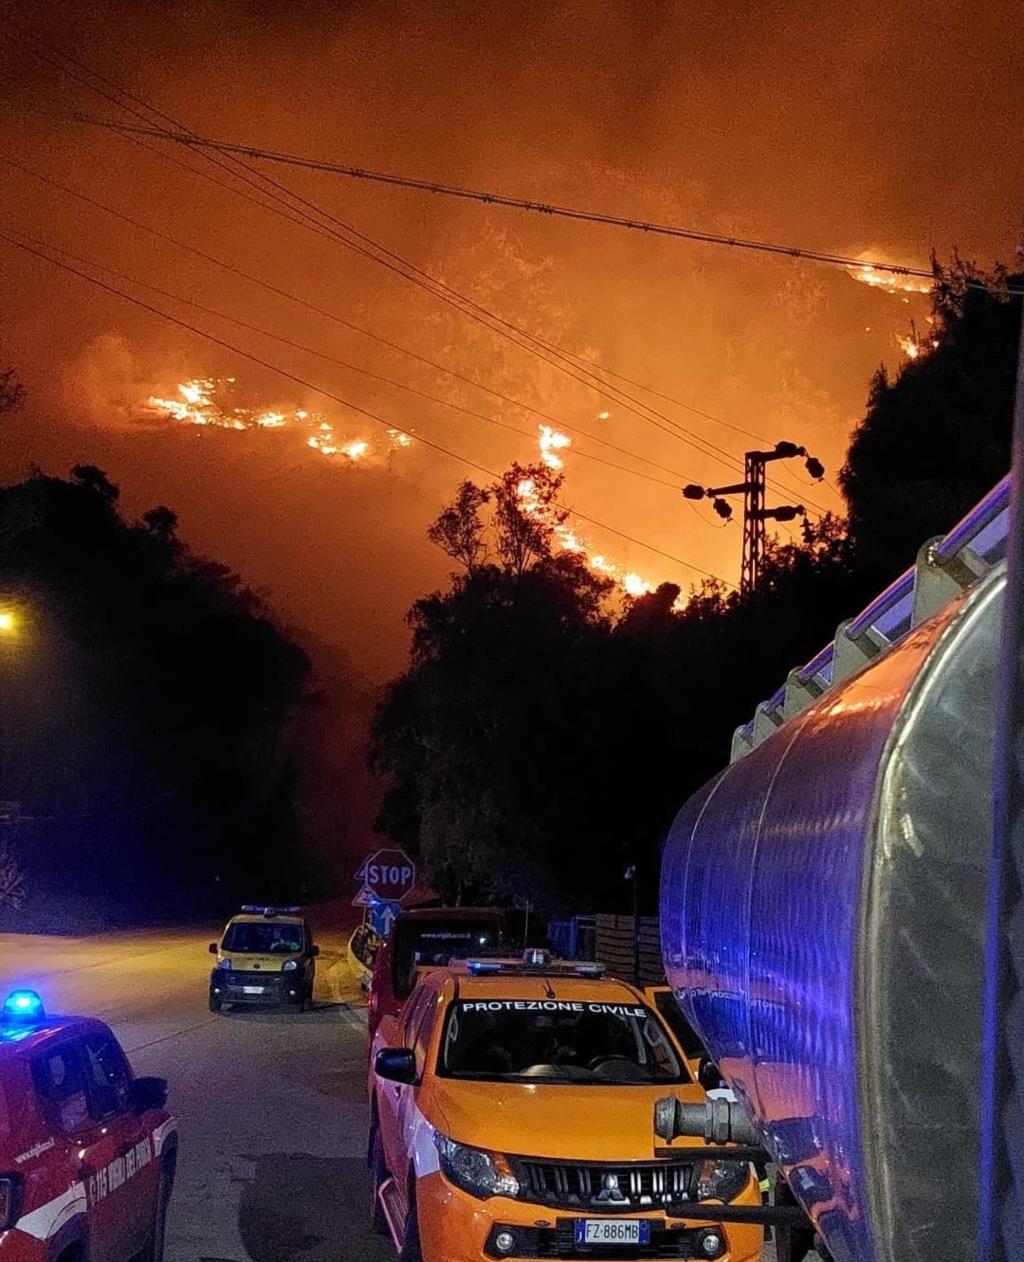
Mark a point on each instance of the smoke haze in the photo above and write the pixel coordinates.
(853, 127)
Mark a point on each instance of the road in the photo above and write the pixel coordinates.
(270, 1105)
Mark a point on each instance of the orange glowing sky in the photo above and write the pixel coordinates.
(865, 129)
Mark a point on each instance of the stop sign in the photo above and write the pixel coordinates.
(389, 875)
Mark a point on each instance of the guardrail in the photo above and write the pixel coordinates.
(359, 957)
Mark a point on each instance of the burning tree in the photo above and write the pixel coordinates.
(488, 741)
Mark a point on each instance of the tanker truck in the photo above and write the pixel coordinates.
(823, 912)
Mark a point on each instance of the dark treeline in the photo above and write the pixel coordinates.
(542, 738)
(147, 705)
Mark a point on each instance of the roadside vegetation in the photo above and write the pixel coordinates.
(146, 763)
(544, 734)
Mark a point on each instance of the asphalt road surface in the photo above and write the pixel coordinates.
(271, 1106)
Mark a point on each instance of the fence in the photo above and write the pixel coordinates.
(615, 946)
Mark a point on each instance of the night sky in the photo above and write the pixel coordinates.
(850, 127)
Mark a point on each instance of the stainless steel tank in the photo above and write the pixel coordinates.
(822, 912)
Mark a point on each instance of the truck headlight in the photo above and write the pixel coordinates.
(721, 1180)
(477, 1172)
(289, 966)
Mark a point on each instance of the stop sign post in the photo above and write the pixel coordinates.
(388, 876)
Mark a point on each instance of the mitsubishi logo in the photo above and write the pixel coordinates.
(611, 1193)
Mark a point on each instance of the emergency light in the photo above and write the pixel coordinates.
(22, 1007)
(255, 909)
(546, 966)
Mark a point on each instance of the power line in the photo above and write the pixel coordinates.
(571, 364)
(355, 407)
(330, 315)
(331, 359)
(538, 346)
(547, 351)
(546, 208)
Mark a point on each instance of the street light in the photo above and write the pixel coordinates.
(8, 622)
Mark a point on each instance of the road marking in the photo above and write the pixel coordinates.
(164, 1038)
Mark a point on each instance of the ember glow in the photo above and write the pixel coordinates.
(914, 347)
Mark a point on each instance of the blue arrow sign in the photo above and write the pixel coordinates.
(382, 915)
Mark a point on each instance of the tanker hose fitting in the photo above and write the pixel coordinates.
(715, 1121)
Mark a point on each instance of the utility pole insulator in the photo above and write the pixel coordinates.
(755, 514)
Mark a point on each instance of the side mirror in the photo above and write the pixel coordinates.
(396, 1064)
(314, 950)
(213, 948)
(709, 1075)
(149, 1093)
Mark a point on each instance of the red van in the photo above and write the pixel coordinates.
(87, 1150)
(426, 937)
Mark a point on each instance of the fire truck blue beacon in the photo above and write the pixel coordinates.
(823, 908)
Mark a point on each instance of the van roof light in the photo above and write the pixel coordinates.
(23, 1007)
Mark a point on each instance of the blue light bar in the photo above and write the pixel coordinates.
(897, 610)
(554, 968)
(257, 909)
(894, 596)
(23, 1006)
(992, 508)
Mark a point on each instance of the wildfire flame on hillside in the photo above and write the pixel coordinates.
(200, 401)
(891, 282)
(551, 442)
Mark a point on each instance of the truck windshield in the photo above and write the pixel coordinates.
(435, 943)
(553, 1041)
(263, 939)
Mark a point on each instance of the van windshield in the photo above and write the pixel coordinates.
(263, 939)
(557, 1041)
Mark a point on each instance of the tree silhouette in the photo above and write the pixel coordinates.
(936, 437)
(147, 708)
(542, 739)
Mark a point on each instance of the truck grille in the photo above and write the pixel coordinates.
(605, 1188)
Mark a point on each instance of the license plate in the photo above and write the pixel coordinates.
(252, 990)
(613, 1231)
